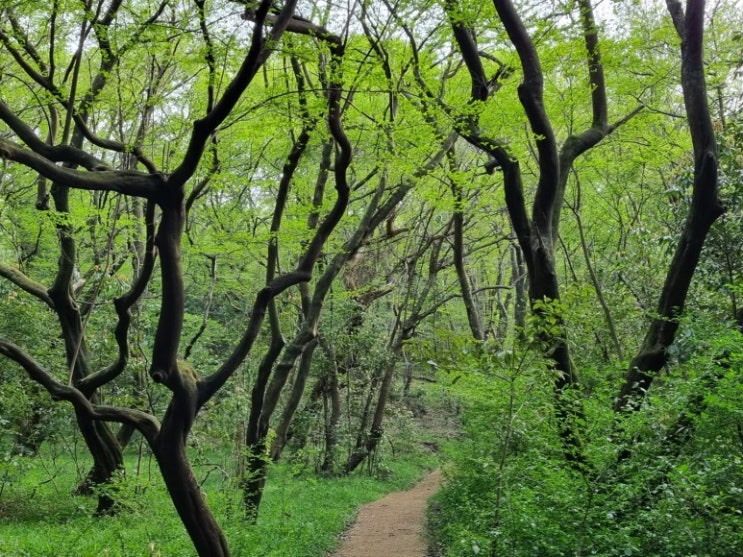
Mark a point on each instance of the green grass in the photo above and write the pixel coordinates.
(302, 515)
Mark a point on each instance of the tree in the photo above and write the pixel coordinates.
(86, 169)
(224, 182)
(704, 210)
(537, 235)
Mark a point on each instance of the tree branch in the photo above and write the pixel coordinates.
(260, 49)
(59, 153)
(127, 182)
(148, 425)
(26, 284)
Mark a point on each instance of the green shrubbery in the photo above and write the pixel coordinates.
(662, 482)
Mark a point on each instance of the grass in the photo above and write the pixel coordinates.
(301, 515)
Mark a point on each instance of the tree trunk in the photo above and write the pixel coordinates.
(361, 435)
(470, 304)
(519, 282)
(331, 396)
(106, 452)
(536, 235)
(364, 449)
(184, 490)
(107, 460)
(254, 476)
(366, 444)
(705, 209)
(290, 408)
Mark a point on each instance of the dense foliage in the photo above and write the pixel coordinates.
(256, 228)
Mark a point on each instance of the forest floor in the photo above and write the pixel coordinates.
(393, 526)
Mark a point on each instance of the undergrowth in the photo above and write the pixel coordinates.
(663, 482)
(302, 514)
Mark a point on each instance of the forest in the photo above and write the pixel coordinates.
(262, 262)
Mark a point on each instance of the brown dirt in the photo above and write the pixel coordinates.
(392, 526)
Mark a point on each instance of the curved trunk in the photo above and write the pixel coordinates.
(253, 478)
(705, 209)
(98, 437)
(184, 490)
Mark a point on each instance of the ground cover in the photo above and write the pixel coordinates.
(302, 515)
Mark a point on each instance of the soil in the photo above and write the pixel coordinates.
(392, 526)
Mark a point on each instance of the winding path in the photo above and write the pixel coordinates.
(392, 526)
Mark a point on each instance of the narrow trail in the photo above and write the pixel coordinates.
(392, 526)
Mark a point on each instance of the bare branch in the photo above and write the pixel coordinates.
(257, 55)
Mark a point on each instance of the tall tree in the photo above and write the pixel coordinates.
(704, 210)
(537, 235)
(68, 116)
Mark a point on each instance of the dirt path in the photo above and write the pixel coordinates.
(392, 526)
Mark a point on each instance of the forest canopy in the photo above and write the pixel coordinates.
(273, 226)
